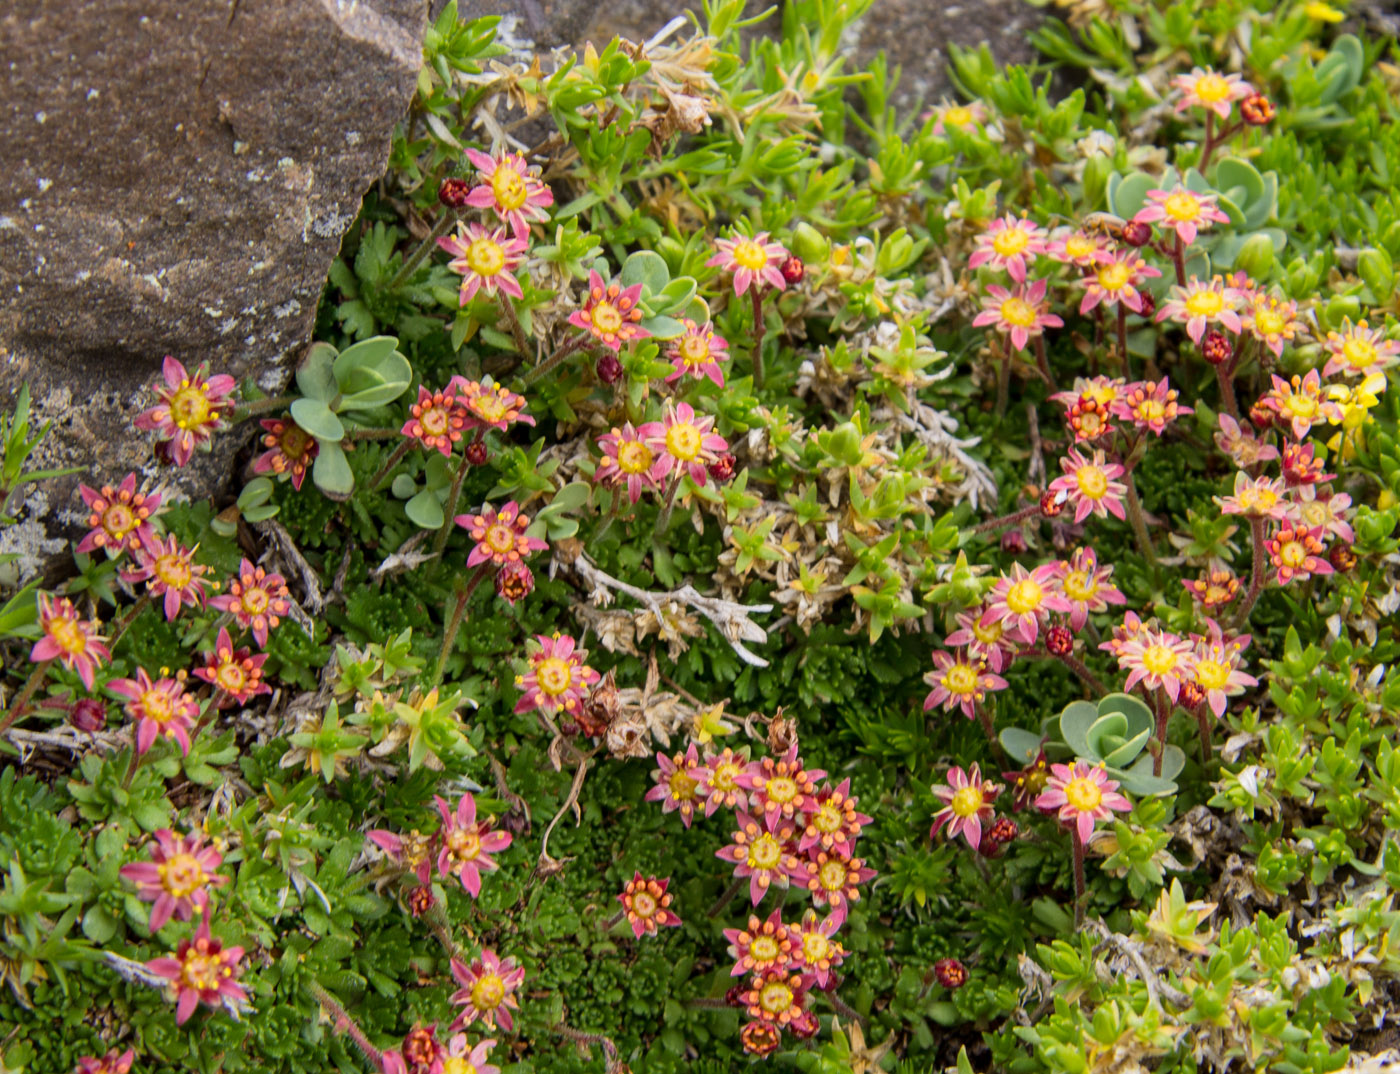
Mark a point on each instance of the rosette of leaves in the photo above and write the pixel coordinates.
(348, 384)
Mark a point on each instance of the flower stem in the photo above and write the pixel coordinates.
(260, 406)
(395, 457)
(1003, 386)
(444, 223)
(1042, 363)
(563, 351)
(994, 524)
(1139, 522)
(759, 327)
(1256, 574)
(663, 520)
(1208, 149)
(1077, 666)
(440, 541)
(131, 766)
(1179, 261)
(1123, 340)
(342, 1022)
(1080, 887)
(988, 728)
(371, 434)
(17, 703)
(1164, 714)
(517, 331)
(1203, 722)
(1227, 391)
(124, 623)
(454, 621)
(735, 886)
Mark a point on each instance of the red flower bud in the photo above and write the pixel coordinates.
(1013, 541)
(722, 469)
(421, 900)
(1059, 640)
(1149, 305)
(950, 973)
(477, 453)
(88, 714)
(1261, 415)
(514, 582)
(1051, 504)
(453, 192)
(1340, 555)
(1002, 831)
(1257, 110)
(1136, 233)
(760, 1038)
(1216, 348)
(609, 369)
(793, 270)
(1190, 697)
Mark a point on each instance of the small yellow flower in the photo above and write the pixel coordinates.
(1322, 12)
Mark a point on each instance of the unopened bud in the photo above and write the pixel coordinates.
(793, 270)
(1051, 504)
(1257, 110)
(453, 192)
(1059, 640)
(1136, 233)
(477, 453)
(609, 369)
(514, 582)
(1216, 348)
(88, 714)
(1148, 302)
(722, 469)
(1341, 556)
(950, 973)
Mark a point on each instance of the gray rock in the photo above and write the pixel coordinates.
(178, 178)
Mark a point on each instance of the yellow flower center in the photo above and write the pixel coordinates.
(681, 784)
(1078, 587)
(500, 538)
(156, 705)
(255, 600)
(1302, 405)
(1259, 500)
(1152, 411)
(181, 875)
(485, 257)
(827, 819)
(69, 635)
(118, 520)
(765, 852)
(987, 635)
(606, 318)
(959, 116)
(490, 408)
(960, 679)
(1182, 206)
(509, 188)
(694, 350)
(775, 997)
(1092, 481)
(832, 875)
(189, 407)
(487, 993)
(1025, 596)
(1010, 241)
(174, 571)
(1077, 246)
(202, 972)
(1159, 659)
(726, 777)
(1018, 312)
(1114, 277)
(1216, 594)
(1211, 674)
(553, 676)
(1314, 512)
(643, 905)
(1205, 303)
(455, 1064)
(1083, 794)
(464, 844)
(816, 947)
(1212, 88)
(764, 949)
(232, 678)
(966, 801)
(634, 457)
(1268, 321)
(434, 421)
(750, 255)
(782, 790)
(1292, 554)
(1361, 353)
(684, 441)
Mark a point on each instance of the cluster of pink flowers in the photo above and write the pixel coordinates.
(657, 454)
(439, 420)
(422, 1053)
(463, 847)
(502, 543)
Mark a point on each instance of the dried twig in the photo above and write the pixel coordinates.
(313, 601)
(936, 429)
(547, 866)
(730, 619)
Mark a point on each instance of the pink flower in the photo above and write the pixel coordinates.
(201, 970)
(1272, 322)
(120, 518)
(1116, 280)
(557, 679)
(436, 420)
(1208, 89)
(1218, 659)
(490, 406)
(1090, 486)
(1073, 246)
(178, 877)
(485, 259)
(468, 1059)
(1182, 210)
(676, 788)
(967, 804)
(466, 846)
(684, 442)
(697, 353)
(1021, 314)
(647, 905)
(1009, 243)
(833, 824)
(761, 851)
(510, 189)
(1358, 350)
(1087, 586)
(1023, 599)
(988, 644)
(781, 784)
(1297, 553)
(962, 117)
(610, 313)
(190, 409)
(1327, 513)
(628, 457)
(815, 952)
(236, 674)
(1301, 466)
(487, 990)
(500, 536)
(752, 261)
(762, 946)
(832, 880)
(1150, 406)
(1131, 627)
(1214, 589)
(69, 639)
(420, 1053)
(959, 682)
(1082, 796)
(1158, 659)
(160, 707)
(169, 571)
(256, 600)
(1200, 304)
(1244, 448)
(114, 1062)
(413, 854)
(1300, 403)
(1255, 497)
(291, 449)
(717, 781)
(1101, 391)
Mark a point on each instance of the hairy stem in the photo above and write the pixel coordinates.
(517, 331)
(994, 524)
(1042, 362)
(1203, 722)
(1179, 261)
(561, 352)
(455, 619)
(1163, 705)
(1123, 340)
(395, 457)
(1227, 391)
(663, 520)
(17, 703)
(735, 886)
(1080, 887)
(124, 623)
(1086, 676)
(759, 327)
(343, 1023)
(1003, 385)
(427, 246)
(450, 510)
(254, 407)
(1139, 522)
(1257, 575)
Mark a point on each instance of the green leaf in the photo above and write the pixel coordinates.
(1129, 194)
(663, 327)
(316, 376)
(372, 373)
(1020, 745)
(425, 510)
(1075, 722)
(647, 269)
(331, 473)
(319, 420)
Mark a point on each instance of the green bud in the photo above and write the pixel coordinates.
(1302, 278)
(1256, 256)
(1339, 307)
(810, 244)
